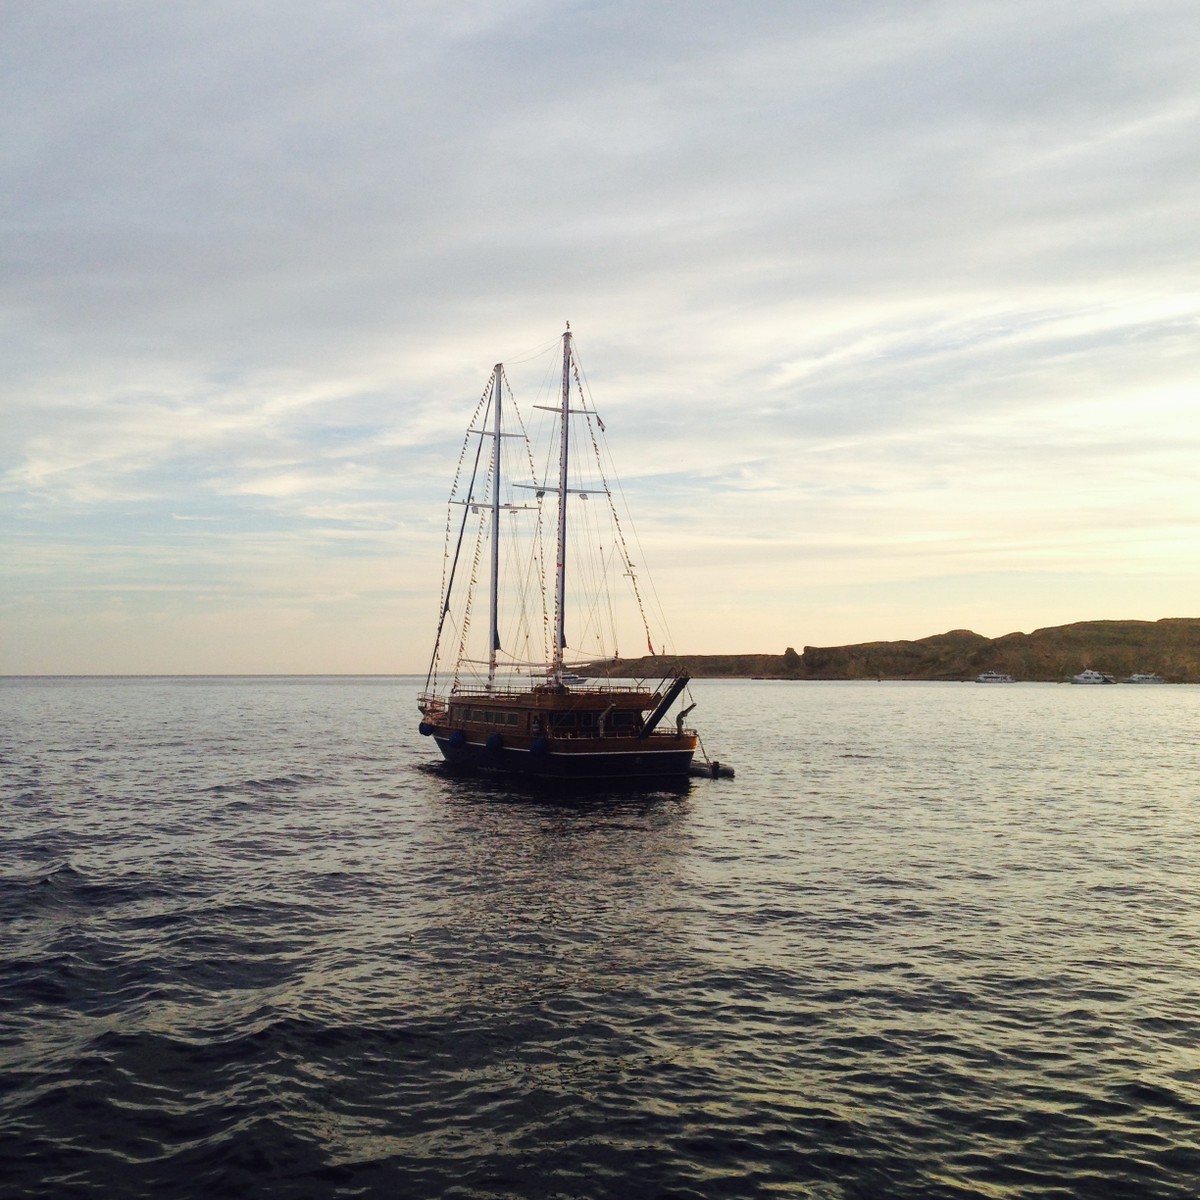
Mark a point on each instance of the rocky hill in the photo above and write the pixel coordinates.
(1170, 647)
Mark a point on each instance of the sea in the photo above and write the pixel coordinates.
(933, 940)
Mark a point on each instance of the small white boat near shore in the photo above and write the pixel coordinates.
(994, 677)
(1141, 677)
(1090, 676)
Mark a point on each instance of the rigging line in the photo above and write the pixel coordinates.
(516, 564)
(612, 616)
(585, 390)
(525, 575)
(589, 413)
(660, 612)
(538, 353)
(447, 584)
(592, 571)
(513, 580)
(539, 528)
(478, 552)
(471, 594)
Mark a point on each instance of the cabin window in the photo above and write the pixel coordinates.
(490, 716)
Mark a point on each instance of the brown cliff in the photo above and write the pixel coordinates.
(1170, 648)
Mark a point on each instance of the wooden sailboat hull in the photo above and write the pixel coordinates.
(627, 760)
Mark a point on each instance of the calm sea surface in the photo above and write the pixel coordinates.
(933, 941)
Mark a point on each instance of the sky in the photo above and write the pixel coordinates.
(890, 310)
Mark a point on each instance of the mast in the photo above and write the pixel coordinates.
(494, 597)
(560, 587)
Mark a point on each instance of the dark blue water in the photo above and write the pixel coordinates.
(932, 941)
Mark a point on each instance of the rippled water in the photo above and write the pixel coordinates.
(932, 941)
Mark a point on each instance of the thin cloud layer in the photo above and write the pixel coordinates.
(891, 312)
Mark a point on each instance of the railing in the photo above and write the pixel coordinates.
(477, 692)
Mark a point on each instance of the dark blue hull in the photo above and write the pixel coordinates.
(648, 763)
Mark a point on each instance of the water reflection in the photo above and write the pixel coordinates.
(538, 895)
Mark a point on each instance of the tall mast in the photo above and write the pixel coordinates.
(560, 588)
(494, 608)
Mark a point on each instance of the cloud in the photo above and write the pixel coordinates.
(869, 284)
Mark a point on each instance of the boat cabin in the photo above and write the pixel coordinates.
(556, 711)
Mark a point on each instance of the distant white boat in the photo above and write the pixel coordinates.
(1143, 678)
(1090, 676)
(994, 677)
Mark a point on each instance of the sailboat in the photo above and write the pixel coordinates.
(517, 704)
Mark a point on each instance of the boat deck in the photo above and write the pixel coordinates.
(546, 699)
